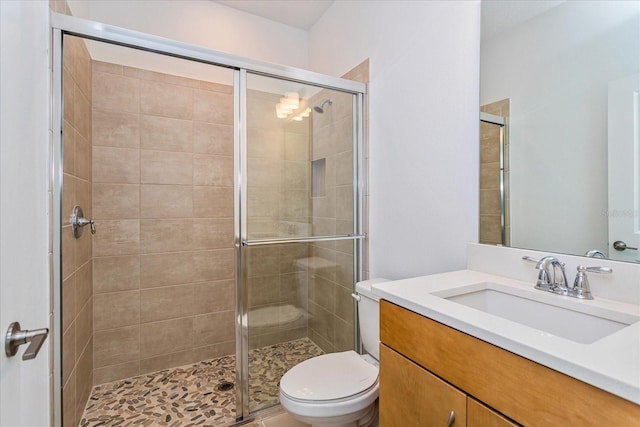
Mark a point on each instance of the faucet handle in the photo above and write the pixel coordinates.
(581, 287)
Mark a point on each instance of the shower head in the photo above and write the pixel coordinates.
(320, 108)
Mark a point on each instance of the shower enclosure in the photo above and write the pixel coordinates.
(226, 197)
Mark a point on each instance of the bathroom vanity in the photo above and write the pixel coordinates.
(439, 358)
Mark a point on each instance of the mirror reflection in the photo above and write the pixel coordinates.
(560, 162)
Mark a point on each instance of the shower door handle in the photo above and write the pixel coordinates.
(15, 337)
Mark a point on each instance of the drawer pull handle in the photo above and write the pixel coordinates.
(452, 419)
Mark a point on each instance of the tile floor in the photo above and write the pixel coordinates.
(188, 395)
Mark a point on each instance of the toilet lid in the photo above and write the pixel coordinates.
(329, 377)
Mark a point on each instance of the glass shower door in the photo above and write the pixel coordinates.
(299, 227)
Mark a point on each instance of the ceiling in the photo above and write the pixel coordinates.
(296, 13)
(500, 15)
(497, 15)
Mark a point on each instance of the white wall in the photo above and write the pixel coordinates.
(203, 23)
(423, 124)
(24, 205)
(555, 69)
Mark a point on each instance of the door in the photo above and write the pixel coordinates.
(24, 222)
(624, 169)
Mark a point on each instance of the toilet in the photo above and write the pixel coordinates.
(339, 389)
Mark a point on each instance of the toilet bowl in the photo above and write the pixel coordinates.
(339, 389)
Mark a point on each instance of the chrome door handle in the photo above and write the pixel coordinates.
(15, 337)
(619, 245)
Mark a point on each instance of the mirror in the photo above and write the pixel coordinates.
(562, 173)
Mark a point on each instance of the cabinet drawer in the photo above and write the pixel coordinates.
(411, 396)
(478, 415)
(525, 391)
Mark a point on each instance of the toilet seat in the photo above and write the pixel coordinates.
(329, 378)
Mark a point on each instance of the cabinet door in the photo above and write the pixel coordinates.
(479, 415)
(411, 396)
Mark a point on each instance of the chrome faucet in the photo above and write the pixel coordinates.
(552, 277)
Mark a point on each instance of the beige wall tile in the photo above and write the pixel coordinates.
(490, 229)
(213, 107)
(116, 238)
(214, 265)
(344, 202)
(115, 129)
(83, 165)
(116, 201)
(213, 202)
(82, 111)
(68, 92)
(116, 372)
(68, 252)
(168, 302)
(116, 309)
(322, 322)
(167, 269)
(210, 297)
(213, 233)
(290, 255)
(117, 346)
(167, 100)
(68, 352)
(112, 274)
(160, 77)
(296, 146)
(167, 336)
(166, 235)
(263, 290)
(262, 172)
(116, 165)
(166, 201)
(162, 167)
(293, 288)
(489, 175)
(490, 202)
(106, 67)
(84, 328)
(84, 197)
(84, 379)
(226, 348)
(113, 92)
(263, 261)
(84, 284)
(344, 305)
(323, 293)
(344, 335)
(166, 134)
(84, 247)
(68, 198)
(489, 149)
(68, 301)
(165, 361)
(69, 403)
(212, 170)
(217, 87)
(344, 168)
(68, 148)
(212, 138)
(214, 328)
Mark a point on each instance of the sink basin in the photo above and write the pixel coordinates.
(552, 314)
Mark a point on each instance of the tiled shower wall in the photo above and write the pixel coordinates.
(163, 206)
(331, 277)
(278, 198)
(77, 287)
(490, 221)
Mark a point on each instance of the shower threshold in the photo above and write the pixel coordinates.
(195, 394)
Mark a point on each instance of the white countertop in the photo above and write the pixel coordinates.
(611, 363)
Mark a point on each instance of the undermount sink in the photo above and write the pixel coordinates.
(545, 312)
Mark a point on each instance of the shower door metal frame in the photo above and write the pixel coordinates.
(62, 25)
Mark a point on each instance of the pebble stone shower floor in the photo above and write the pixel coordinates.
(187, 395)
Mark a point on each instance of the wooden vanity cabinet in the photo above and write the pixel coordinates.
(428, 369)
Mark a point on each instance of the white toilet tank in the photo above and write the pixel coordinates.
(369, 316)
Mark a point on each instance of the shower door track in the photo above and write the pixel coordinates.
(91, 30)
